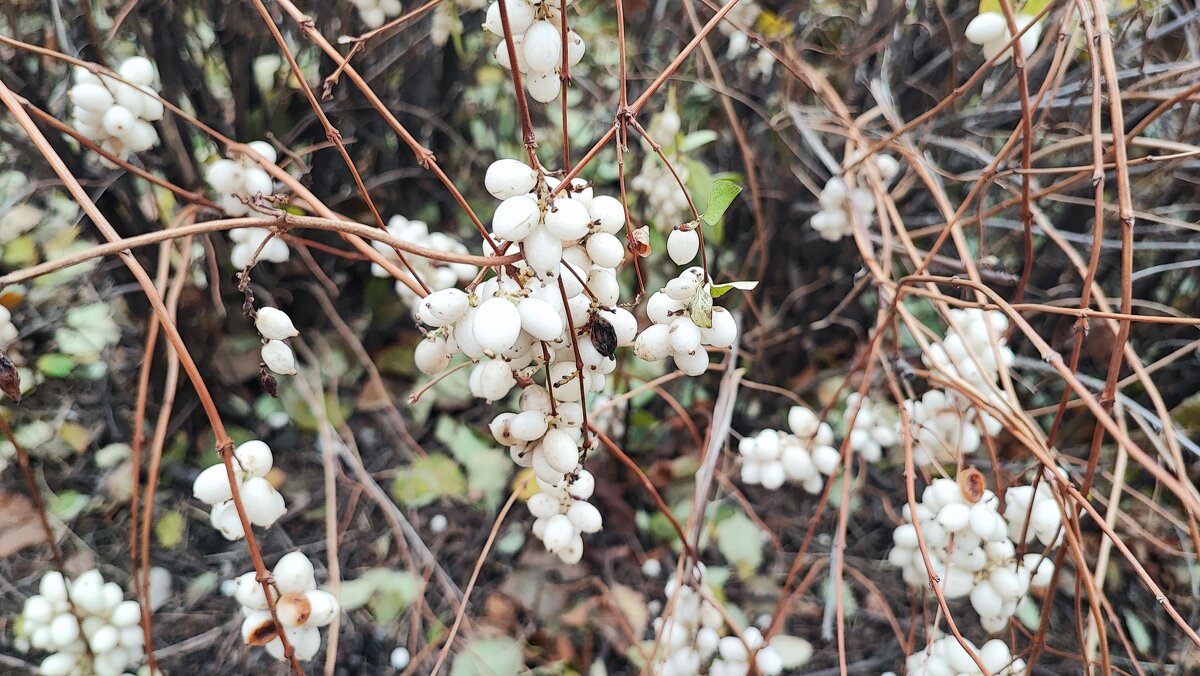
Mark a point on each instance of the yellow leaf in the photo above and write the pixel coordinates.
(524, 484)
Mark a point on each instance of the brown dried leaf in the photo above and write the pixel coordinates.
(18, 524)
(640, 244)
(10, 380)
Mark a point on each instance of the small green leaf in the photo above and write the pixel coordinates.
(794, 651)
(697, 139)
(1138, 633)
(428, 479)
(720, 196)
(719, 290)
(489, 656)
(169, 529)
(55, 365)
(487, 475)
(700, 308)
(740, 542)
(200, 587)
(68, 504)
(460, 439)
(1029, 613)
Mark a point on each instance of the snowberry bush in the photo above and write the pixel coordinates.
(990, 31)
(301, 607)
(842, 206)
(666, 201)
(264, 505)
(945, 655)
(86, 624)
(374, 13)
(691, 641)
(237, 182)
(117, 114)
(804, 457)
(968, 545)
(538, 43)
(436, 275)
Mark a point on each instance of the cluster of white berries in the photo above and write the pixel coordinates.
(947, 657)
(237, 181)
(691, 638)
(667, 204)
(8, 330)
(1022, 503)
(301, 608)
(515, 325)
(555, 312)
(538, 43)
(842, 205)
(744, 14)
(804, 457)
(562, 512)
(972, 555)
(446, 20)
(436, 274)
(102, 622)
(875, 427)
(967, 352)
(116, 115)
(675, 333)
(944, 423)
(990, 30)
(944, 427)
(263, 504)
(375, 12)
(275, 326)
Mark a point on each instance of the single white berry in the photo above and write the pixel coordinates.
(515, 218)
(683, 245)
(508, 178)
(263, 504)
(279, 358)
(254, 458)
(274, 324)
(294, 573)
(543, 47)
(497, 324)
(118, 120)
(558, 533)
(212, 485)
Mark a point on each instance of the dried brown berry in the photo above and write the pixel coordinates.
(604, 337)
(972, 484)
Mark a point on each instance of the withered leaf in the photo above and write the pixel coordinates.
(10, 379)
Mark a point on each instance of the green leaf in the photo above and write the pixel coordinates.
(55, 365)
(169, 529)
(488, 657)
(740, 542)
(697, 139)
(200, 587)
(385, 590)
(460, 439)
(719, 290)
(394, 591)
(1029, 613)
(794, 651)
(700, 308)
(487, 475)
(428, 479)
(68, 504)
(1138, 633)
(720, 196)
